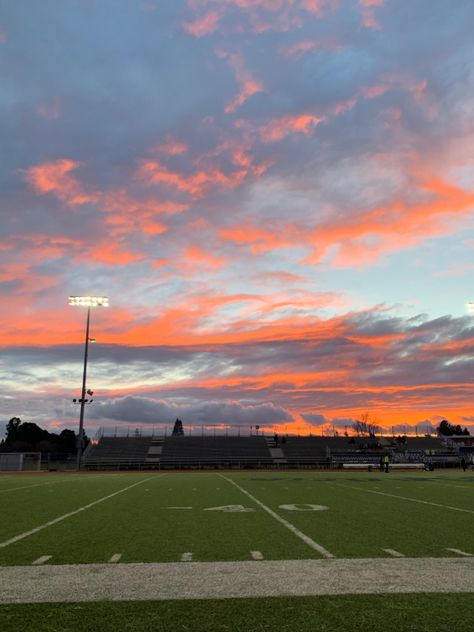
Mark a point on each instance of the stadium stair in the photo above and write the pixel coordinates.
(155, 449)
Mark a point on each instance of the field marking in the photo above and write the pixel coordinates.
(256, 555)
(221, 580)
(26, 534)
(393, 553)
(115, 558)
(13, 489)
(291, 527)
(414, 500)
(187, 557)
(41, 560)
(176, 507)
(459, 552)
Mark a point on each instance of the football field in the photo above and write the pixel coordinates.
(287, 544)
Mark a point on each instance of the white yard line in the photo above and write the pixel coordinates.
(222, 580)
(41, 560)
(187, 557)
(14, 489)
(413, 500)
(256, 555)
(115, 558)
(306, 539)
(393, 553)
(459, 552)
(26, 534)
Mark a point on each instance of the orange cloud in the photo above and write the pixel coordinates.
(53, 177)
(248, 85)
(196, 184)
(279, 128)
(124, 213)
(195, 255)
(363, 237)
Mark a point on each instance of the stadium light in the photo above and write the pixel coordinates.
(85, 301)
(470, 307)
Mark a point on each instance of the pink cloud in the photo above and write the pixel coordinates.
(203, 25)
(368, 13)
(54, 177)
(371, 92)
(172, 147)
(278, 128)
(247, 83)
(307, 46)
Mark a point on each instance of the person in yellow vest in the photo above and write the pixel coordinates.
(386, 461)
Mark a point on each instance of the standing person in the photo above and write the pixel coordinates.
(386, 461)
(463, 464)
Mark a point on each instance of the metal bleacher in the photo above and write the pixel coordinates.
(241, 452)
(118, 452)
(189, 451)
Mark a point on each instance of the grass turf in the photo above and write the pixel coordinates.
(362, 613)
(168, 514)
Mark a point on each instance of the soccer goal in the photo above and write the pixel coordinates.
(20, 461)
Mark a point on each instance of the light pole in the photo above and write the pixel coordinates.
(85, 301)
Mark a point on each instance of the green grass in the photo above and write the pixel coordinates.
(366, 513)
(364, 613)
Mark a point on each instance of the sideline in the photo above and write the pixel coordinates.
(306, 539)
(224, 580)
(26, 534)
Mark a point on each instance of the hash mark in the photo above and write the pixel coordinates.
(42, 560)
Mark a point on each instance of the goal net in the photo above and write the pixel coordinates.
(20, 461)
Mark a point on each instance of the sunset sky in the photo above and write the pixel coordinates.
(277, 196)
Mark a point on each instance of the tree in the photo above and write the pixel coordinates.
(448, 430)
(178, 428)
(12, 429)
(365, 426)
(29, 437)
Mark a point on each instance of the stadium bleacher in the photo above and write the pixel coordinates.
(118, 450)
(180, 452)
(226, 451)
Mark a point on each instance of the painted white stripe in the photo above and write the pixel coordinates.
(224, 580)
(256, 555)
(459, 552)
(70, 478)
(115, 558)
(393, 553)
(413, 500)
(42, 560)
(14, 489)
(187, 557)
(26, 534)
(306, 539)
(176, 507)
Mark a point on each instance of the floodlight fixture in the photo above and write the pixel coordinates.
(89, 301)
(470, 307)
(85, 301)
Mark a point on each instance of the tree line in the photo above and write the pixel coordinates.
(29, 437)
